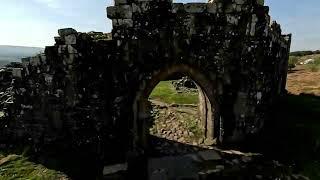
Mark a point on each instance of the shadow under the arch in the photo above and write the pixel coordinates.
(160, 147)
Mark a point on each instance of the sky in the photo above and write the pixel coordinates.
(35, 22)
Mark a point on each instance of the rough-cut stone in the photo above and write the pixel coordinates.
(65, 32)
(209, 142)
(159, 174)
(70, 39)
(114, 169)
(184, 84)
(209, 155)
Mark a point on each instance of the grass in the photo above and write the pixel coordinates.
(315, 67)
(58, 161)
(165, 92)
(14, 167)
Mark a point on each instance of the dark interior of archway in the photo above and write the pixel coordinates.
(175, 124)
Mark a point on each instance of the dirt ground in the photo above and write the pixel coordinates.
(302, 80)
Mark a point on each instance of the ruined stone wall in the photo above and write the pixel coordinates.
(63, 94)
(85, 87)
(231, 42)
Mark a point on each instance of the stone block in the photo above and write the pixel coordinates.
(111, 12)
(195, 7)
(239, 2)
(17, 72)
(112, 169)
(136, 8)
(122, 22)
(230, 8)
(232, 19)
(210, 155)
(212, 8)
(63, 49)
(120, 12)
(260, 2)
(66, 32)
(176, 7)
(160, 174)
(25, 62)
(71, 49)
(120, 2)
(70, 59)
(48, 78)
(43, 58)
(70, 39)
(145, 6)
(35, 61)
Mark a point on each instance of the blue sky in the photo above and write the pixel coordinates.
(35, 22)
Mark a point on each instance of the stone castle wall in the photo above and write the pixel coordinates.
(85, 87)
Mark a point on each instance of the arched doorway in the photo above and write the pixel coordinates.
(207, 103)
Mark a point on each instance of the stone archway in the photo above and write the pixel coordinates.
(99, 82)
(208, 105)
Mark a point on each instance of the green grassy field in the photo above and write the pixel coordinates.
(14, 167)
(314, 67)
(165, 92)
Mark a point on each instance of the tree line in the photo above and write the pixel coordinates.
(304, 53)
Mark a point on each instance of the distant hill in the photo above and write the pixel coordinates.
(15, 53)
(304, 53)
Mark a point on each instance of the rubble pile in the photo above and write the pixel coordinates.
(184, 85)
(178, 125)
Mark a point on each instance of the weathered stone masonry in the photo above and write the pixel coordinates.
(93, 89)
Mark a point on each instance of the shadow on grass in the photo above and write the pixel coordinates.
(75, 163)
(293, 134)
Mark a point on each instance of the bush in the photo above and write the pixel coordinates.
(315, 67)
(293, 60)
(317, 61)
(302, 53)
